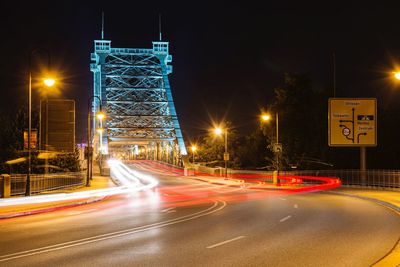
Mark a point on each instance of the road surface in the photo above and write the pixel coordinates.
(185, 222)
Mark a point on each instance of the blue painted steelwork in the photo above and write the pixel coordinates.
(134, 89)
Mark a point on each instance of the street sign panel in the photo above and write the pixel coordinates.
(352, 122)
(34, 139)
(226, 156)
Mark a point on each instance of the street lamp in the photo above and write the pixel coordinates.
(277, 146)
(193, 148)
(396, 75)
(219, 131)
(100, 115)
(48, 82)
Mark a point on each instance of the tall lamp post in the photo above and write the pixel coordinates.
(193, 148)
(219, 131)
(47, 82)
(100, 116)
(277, 146)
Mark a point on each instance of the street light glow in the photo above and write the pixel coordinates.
(397, 75)
(218, 131)
(100, 115)
(100, 130)
(194, 148)
(265, 117)
(49, 82)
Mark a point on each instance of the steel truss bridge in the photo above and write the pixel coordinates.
(132, 87)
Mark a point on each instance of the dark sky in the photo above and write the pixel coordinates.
(227, 56)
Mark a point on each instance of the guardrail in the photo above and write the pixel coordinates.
(44, 182)
(376, 179)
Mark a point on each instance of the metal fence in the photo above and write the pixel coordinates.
(45, 182)
(374, 179)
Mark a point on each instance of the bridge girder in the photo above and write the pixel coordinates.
(134, 90)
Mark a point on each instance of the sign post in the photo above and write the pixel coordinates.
(352, 122)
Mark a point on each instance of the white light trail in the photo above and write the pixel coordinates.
(130, 181)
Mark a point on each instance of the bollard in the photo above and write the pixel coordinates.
(275, 177)
(188, 171)
(5, 186)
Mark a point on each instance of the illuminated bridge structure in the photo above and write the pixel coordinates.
(133, 87)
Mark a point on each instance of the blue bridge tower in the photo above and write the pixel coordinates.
(135, 93)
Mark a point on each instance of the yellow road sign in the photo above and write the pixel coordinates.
(352, 122)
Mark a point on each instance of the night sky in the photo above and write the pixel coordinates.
(227, 56)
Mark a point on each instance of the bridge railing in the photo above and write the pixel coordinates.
(374, 179)
(44, 182)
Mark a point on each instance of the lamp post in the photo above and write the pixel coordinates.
(48, 82)
(89, 139)
(219, 131)
(194, 148)
(100, 132)
(277, 146)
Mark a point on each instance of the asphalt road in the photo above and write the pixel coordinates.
(185, 222)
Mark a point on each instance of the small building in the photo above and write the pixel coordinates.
(57, 125)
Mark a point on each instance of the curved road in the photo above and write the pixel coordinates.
(184, 222)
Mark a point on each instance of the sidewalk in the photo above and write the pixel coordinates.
(11, 211)
(389, 199)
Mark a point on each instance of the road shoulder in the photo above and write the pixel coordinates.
(388, 199)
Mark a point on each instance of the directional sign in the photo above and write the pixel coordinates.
(352, 122)
(33, 140)
(226, 156)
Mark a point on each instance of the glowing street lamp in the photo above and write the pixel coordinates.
(277, 147)
(265, 117)
(48, 83)
(100, 115)
(396, 75)
(219, 131)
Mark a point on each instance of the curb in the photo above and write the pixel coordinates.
(240, 182)
(45, 210)
(389, 258)
(378, 201)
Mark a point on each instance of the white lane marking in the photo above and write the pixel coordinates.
(286, 218)
(171, 211)
(295, 206)
(227, 241)
(165, 210)
(80, 212)
(214, 208)
(281, 198)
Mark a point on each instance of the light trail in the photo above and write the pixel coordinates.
(129, 180)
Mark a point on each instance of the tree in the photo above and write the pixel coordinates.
(302, 122)
(252, 151)
(213, 147)
(11, 138)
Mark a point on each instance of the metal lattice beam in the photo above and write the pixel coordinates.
(135, 92)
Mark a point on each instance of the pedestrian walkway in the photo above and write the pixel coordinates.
(98, 182)
(390, 199)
